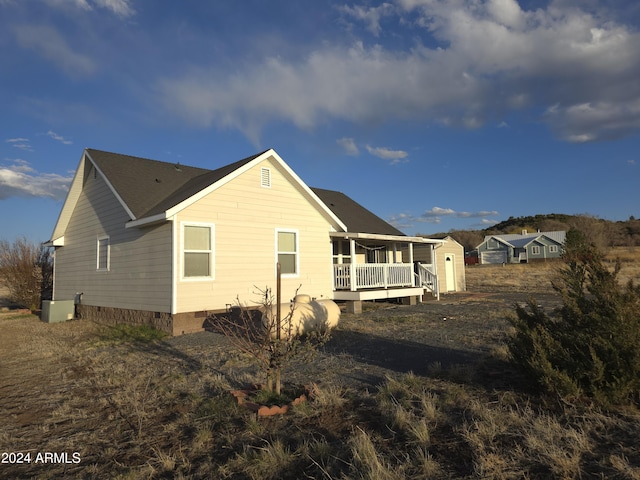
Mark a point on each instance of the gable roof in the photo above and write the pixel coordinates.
(148, 187)
(353, 215)
(153, 191)
(519, 241)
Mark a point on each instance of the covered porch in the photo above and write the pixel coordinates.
(373, 266)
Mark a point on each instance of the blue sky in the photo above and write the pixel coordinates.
(435, 115)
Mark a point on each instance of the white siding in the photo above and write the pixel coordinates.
(139, 275)
(246, 216)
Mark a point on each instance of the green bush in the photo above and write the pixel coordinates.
(590, 346)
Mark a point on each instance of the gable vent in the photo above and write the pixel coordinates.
(265, 177)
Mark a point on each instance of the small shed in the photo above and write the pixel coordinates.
(448, 265)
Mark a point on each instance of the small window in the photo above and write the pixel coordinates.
(265, 177)
(553, 249)
(287, 251)
(535, 250)
(197, 251)
(103, 251)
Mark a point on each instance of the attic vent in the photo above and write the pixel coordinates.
(265, 177)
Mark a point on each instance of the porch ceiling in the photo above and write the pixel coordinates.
(380, 237)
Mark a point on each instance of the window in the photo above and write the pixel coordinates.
(553, 249)
(265, 177)
(197, 249)
(287, 251)
(535, 250)
(102, 257)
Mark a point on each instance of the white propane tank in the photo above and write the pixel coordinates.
(308, 316)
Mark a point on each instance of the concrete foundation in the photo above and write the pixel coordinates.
(177, 324)
(354, 306)
(410, 300)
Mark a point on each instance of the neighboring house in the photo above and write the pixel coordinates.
(143, 241)
(521, 248)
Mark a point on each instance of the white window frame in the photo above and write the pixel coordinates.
(265, 174)
(553, 249)
(211, 251)
(108, 246)
(535, 250)
(296, 253)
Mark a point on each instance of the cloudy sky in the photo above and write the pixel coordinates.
(433, 114)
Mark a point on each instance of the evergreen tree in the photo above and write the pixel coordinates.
(591, 344)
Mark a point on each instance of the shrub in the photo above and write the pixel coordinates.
(588, 346)
(26, 271)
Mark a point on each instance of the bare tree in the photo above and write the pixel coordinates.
(26, 270)
(271, 339)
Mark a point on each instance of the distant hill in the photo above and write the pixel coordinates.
(603, 233)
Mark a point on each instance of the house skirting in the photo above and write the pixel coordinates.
(376, 294)
(176, 324)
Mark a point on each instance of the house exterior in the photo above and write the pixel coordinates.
(521, 248)
(143, 241)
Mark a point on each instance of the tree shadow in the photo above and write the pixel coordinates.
(395, 354)
(380, 355)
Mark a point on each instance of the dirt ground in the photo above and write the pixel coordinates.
(53, 396)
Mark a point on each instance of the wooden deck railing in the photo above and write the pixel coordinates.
(372, 275)
(428, 279)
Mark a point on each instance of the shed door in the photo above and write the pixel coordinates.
(450, 272)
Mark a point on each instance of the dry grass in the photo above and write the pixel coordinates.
(146, 408)
(537, 277)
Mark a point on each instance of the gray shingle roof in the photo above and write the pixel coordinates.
(353, 215)
(149, 187)
(519, 240)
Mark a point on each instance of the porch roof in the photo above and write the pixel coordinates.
(387, 238)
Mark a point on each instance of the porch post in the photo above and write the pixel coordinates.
(395, 252)
(352, 266)
(411, 262)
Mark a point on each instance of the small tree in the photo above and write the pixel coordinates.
(270, 338)
(26, 270)
(589, 346)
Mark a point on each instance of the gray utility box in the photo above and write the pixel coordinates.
(54, 311)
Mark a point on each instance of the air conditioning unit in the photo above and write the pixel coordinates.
(54, 311)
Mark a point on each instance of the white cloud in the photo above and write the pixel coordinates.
(394, 156)
(59, 138)
(591, 121)
(121, 8)
(50, 44)
(81, 4)
(437, 212)
(435, 215)
(488, 58)
(20, 143)
(349, 146)
(19, 179)
(370, 15)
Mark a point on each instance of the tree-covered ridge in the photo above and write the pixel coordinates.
(602, 233)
